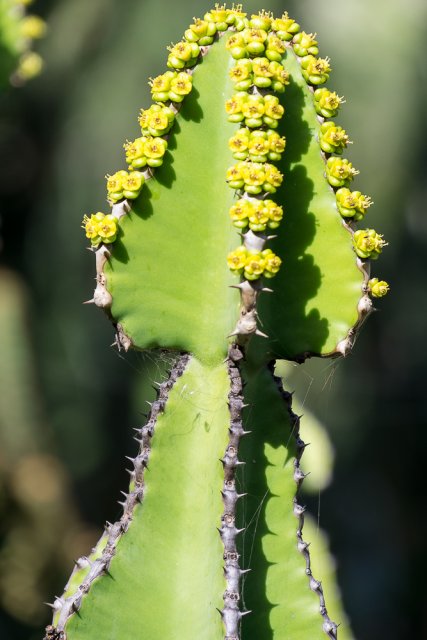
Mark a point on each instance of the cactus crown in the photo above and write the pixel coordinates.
(232, 234)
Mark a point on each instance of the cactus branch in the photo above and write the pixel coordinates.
(329, 627)
(97, 566)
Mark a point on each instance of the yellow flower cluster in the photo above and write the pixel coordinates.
(304, 44)
(100, 228)
(254, 110)
(333, 139)
(352, 204)
(124, 185)
(182, 55)
(224, 18)
(257, 214)
(257, 145)
(254, 177)
(171, 86)
(368, 243)
(261, 72)
(315, 70)
(253, 264)
(327, 103)
(146, 150)
(339, 171)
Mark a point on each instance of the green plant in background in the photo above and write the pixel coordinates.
(231, 243)
(17, 32)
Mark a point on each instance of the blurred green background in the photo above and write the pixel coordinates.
(68, 400)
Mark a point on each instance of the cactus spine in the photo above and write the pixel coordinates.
(277, 128)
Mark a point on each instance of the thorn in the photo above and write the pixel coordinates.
(231, 335)
(267, 290)
(245, 613)
(130, 458)
(91, 301)
(261, 334)
(124, 494)
(242, 571)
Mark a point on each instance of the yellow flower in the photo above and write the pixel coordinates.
(132, 184)
(107, 229)
(182, 84)
(135, 153)
(236, 260)
(240, 141)
(272, 263)
(33, 27)
(276, 143)
(258, 146)
(253, 173)
(253, 107)
(274, 213)
(155, 147)
(115, 185)
(273, 175)
(240, 212)
(273, 109)
(261, 67)
(163, 82)
(254, 266)
(378, 288)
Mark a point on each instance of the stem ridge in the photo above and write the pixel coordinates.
(65, 607)
(231, 614)
(329, 626)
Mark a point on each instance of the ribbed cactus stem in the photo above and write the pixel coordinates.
(70, 603)
(231, 613)
(329, 626)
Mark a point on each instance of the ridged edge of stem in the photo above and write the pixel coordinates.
(65, 608)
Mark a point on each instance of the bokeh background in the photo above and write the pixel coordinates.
(68, 401)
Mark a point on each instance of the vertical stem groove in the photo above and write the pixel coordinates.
(231, 613)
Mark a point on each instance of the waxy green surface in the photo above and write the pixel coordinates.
(168, 274)
(166, 579)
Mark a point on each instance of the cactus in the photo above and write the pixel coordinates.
(230, 243)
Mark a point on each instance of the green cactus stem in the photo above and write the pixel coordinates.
(234, 189)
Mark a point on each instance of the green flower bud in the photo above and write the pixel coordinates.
(378, 288)
(368, 243)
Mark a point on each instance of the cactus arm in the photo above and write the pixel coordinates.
(303, 318)
(174, 236)
(281, 592)
(160, 576)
